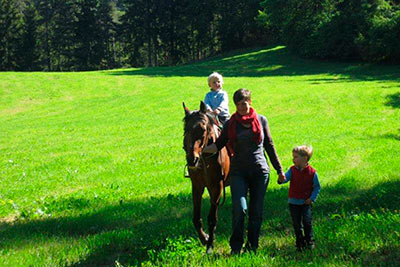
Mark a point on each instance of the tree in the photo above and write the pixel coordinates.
(45, 29)
(10, 34)
(133, 31)
(106, 34)
(29, 49)
(63, 32)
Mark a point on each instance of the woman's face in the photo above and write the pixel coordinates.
(243, 107)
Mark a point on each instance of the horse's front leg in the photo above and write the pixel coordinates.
(215, 196)
(197, 194)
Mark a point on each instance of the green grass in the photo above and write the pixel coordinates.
(91, 163)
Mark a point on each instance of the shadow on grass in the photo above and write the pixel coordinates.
(393, 136)
(272, 61)
(127, 232)
(393, 100)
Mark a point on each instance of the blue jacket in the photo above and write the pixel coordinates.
(218, 100)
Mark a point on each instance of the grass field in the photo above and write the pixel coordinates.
(91, 163)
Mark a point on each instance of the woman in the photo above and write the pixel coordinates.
(246, 135)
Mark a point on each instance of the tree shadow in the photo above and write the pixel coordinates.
(271, 61)
(128, 232)
(393, 136)
(393, 100)
(125, 232)
(341, 202)
(342, 197)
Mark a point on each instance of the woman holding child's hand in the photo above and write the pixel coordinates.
(246, 135)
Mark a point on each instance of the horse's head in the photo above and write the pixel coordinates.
(197, 134)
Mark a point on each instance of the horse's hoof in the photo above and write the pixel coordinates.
(209, 250)
(204, 240)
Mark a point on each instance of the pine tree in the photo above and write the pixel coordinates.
(133, 32)
(63, 43)
(106, 33)
(46, 32)
(10, 35)
(28, 51)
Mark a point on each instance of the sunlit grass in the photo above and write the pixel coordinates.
(91, 163)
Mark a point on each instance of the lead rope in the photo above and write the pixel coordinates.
(203, 160)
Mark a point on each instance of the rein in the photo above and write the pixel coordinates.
(203, 159)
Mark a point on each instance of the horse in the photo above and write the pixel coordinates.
(205, 170)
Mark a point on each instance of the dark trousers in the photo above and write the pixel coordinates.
(301, 217)
(255, 183)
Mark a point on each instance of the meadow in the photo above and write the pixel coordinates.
(91, 163)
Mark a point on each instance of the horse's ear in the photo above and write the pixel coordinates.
(203, 107)
(187, 111)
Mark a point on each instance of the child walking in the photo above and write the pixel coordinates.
(303, 191)
(217, 99)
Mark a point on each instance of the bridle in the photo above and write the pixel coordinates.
(209, 130)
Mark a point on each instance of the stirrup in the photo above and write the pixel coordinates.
(186, 171)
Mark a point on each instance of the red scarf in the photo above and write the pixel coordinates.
(250, 118)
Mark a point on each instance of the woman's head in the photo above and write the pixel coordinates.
(242, 100)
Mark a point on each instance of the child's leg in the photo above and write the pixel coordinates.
(296, 214)
(222, 120)
(308, 231)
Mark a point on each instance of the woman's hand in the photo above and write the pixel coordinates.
(210, 149)
(281, 178)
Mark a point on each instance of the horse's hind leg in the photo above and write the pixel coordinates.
(197, 194)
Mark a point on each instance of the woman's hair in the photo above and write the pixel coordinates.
(241, 94)
(304, 151)
(215, 75)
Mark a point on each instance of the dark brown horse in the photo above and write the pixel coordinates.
(205, 170)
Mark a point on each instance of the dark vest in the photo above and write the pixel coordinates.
(301, 184)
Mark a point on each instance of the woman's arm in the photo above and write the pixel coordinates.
(270, 147)
(288, 177)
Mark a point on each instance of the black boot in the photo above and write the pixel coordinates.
(310, 244)
(300, 244)
(250, 248)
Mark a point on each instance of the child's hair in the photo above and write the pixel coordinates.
(215, 75)
(304, 151)
(241, 94)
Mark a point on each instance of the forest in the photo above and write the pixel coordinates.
(74, 35)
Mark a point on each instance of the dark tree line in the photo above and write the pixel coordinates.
(60, 35)
(337, 29)
(68, 35)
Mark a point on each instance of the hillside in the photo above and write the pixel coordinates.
(91, 163)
